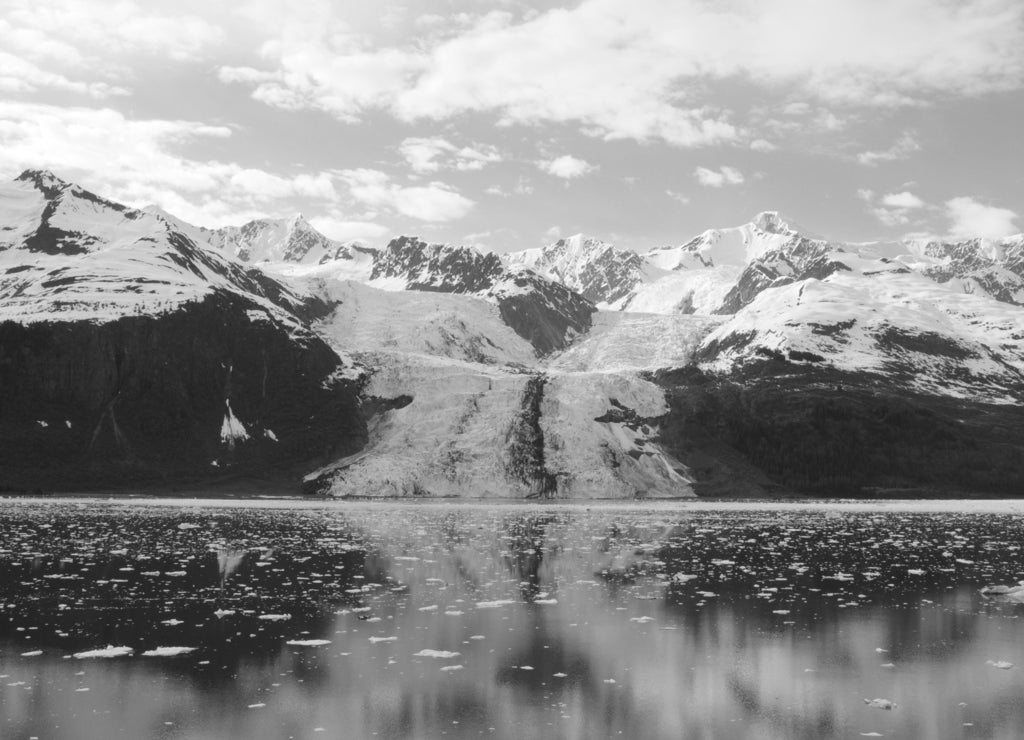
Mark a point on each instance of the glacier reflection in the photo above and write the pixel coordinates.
(420, 621)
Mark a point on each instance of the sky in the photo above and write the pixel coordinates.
(507, 124)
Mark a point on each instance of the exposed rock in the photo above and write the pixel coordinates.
(147, 399)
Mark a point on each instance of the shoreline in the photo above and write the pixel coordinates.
(959, 506)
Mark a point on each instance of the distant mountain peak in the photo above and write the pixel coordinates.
(772, 222)
(42, 178)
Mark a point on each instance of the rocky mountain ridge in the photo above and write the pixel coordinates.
(138, 349)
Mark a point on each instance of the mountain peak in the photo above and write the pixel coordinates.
(772, 222)
(44, 180)
(580, 241)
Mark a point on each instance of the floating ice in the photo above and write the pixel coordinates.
(308, 643)
(427, 653)
(1004, 665)
(494, 604)
(383, 639)
(108, 652)
(167, 652)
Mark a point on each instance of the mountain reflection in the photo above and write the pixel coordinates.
(422, 621)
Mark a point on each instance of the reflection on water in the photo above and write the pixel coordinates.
(420, 622)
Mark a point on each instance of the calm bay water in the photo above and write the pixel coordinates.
(422, 621)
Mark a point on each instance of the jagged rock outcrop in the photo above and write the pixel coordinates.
(991, 267)
(594, 269)
(441, 267)
(544, 312)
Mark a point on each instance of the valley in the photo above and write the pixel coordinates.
(138, 350)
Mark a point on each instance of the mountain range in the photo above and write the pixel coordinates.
(137, 350)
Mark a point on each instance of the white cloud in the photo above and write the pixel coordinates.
(433, 202)
(969, 218)
(762, 145)
(567, 167)
(337, 227)
(647, 69)
(903, 199)
(134, 161)
(433, 154)
(18, 75)
(684, 199)
(718, 178)
(554, 233)
(892, 209)
(77, 46)
(905, 146)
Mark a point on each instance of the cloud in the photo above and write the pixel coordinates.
(969, 219)
(648, 69)
(567, 167)
(434, 154)
(762, 145)
(435, 202)
(18, 75)
(903, 199)
(684, 199)
(337, 227)
(135, 162)
(905, 146)
(720, 178)
(892, 209)
(77, 46)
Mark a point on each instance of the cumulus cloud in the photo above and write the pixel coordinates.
(906, 145)
(718, 178)
(904, 199)
(969, 218)
(76, 46)
(582, 65)
(892, 209)
(336, 226)
(567, 167)
(18, 75)
(135, 161)
(434, 154)
(434, 202)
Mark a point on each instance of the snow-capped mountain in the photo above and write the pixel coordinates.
(71, 255)
(985, 266)
(130, 351)
(279, 240)
(746, 360)
(594, 269)
(545, 312)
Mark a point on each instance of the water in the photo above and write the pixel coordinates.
(392, 621)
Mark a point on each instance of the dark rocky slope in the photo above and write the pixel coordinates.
(788, 427)
(143, 399)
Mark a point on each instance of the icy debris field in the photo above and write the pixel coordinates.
(120, 620)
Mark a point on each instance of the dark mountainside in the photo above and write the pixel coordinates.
(826, 433)
(143, 400)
